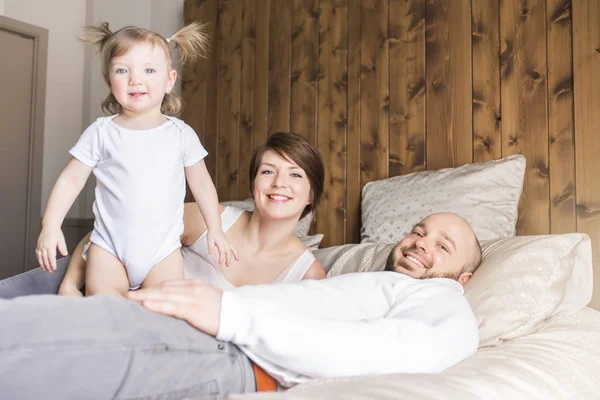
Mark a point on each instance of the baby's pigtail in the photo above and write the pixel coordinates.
(96, 35)
(192, 41)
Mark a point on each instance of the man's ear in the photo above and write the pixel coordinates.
(464, 278)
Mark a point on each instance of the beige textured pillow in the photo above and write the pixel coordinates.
(364, 257)
(485, 194)
(523, 280)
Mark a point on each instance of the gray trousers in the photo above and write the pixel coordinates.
(103, 347)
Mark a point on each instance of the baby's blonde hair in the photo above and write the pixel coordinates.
(191, 40)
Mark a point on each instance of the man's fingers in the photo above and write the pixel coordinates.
(170, 294)
(166, 307)
(182, 282)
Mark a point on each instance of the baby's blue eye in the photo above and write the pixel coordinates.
(150, 70)
(121, 71)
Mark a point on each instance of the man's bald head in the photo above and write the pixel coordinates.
(443, 245)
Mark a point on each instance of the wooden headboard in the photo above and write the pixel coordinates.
(388, 87)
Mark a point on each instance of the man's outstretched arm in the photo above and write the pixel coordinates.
(317, 330)
(435, 333)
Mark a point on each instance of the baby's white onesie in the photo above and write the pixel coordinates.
(140, 189)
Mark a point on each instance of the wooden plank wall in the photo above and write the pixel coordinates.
(389, 87)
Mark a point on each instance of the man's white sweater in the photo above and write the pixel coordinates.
(354, 324)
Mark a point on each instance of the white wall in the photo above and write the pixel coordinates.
(75, 87)
(64, 81)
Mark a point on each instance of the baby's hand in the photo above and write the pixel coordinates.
(226, 250)
(45, 252)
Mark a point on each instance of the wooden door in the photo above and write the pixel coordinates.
(22, 99)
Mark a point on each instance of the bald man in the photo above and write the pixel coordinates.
(411, 318)
(431, 251)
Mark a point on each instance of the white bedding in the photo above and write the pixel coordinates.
(537, 339)
(560, 361)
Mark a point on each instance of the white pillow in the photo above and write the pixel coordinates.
(521, 282)
(301, 229)
(485, 194)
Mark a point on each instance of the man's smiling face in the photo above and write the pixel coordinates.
(440, 246)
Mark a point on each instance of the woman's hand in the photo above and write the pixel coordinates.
(193, 301)
(226, 250)
(45, 252)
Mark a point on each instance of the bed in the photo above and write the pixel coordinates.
(560, 361)
(538, 338)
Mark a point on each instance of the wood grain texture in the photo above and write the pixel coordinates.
(305, 44)
(229, 99)
(353, 145)
(193, 89)
(487, 120)
(448, 77)
(374, 93)
(407, 87)
(246, 123)
(199, 84)
(462, 80)
(560, 117)
(332, 122)
(586, 64)
(280, 55)
(524, 106)
(209, 12)
(261, 73)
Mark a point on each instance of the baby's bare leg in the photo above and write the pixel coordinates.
(104, 273)
(171, 267)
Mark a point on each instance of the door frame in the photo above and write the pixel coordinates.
(36, 131)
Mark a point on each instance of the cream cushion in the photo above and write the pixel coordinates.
(524, 280)
(559, 362)
(485, 194)
(521, 282)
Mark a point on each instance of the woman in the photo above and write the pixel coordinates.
(286, 181)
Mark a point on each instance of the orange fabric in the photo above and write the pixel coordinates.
(264, 381)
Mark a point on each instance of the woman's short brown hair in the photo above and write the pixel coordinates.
(298, 150)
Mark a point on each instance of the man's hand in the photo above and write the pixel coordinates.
(226, 250)
(49, 240)
(194, 301)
